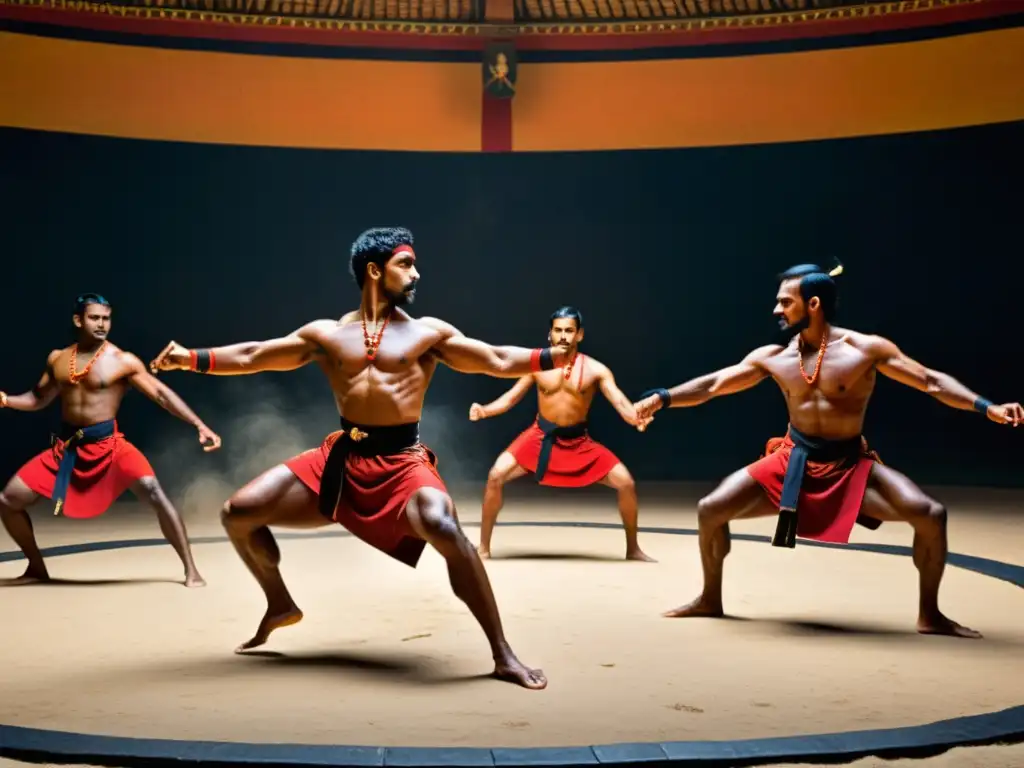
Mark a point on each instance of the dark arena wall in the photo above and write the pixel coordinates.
(208, 176)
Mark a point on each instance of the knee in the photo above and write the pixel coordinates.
(436, 514)
(495, 478)
(148, 488)
(707, 509)
(626, 485)
(935, 514)
(231, 516)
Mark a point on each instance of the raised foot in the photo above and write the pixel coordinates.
(512, 670)
(483, 554)
(271, 621)
(640, 556)
(701, 607)
(194, 580)
(32, 575)
(940, 625)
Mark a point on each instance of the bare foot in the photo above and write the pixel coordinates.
(484, 554)
(34, 574)
(639, 555)
(937, 624)
(702, 606)
(271, 621)
(194, 580)
(512, 670)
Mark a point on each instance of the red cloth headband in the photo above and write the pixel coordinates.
(403, 249)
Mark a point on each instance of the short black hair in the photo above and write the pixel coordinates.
(814, 281)
(569, 313)
(375, 246)
(85, 299)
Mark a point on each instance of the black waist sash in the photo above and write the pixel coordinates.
(552, 431)
(806, 447)
(362, 440)
(72, 437)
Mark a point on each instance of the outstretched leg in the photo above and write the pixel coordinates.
(893, 496)
(738, 496)
(277, 497)
(14, 500)
(622, 481)
(432, 516)
(149, 491)
(505, 469)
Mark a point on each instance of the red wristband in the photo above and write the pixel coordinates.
(213, 361)
(193, 360)
(535, 360)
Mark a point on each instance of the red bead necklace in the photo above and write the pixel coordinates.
(75, 376)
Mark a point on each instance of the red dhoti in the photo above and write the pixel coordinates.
(103, 470)
(563, 457)
(831, 490)
(375, 489)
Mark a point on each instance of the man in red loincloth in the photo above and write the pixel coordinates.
(821, 478)
(557, 447)
(374, 476)
(90, 463)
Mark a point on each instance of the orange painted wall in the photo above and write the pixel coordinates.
(152, 93)
(826, 94)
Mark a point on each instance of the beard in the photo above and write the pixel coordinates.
(787, 331)
(403, 297)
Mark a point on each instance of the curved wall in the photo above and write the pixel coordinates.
(230, 82)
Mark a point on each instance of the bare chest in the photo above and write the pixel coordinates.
(573, 381)
(844, 372)
(401, 349)
(91, 373)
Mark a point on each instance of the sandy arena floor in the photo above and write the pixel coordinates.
(824, 641)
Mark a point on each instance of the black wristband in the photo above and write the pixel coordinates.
(666, 397)
(202, 360)
(546, 361)
(981, 405)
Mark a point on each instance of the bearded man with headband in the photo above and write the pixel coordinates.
(374, 476)
(821, 478)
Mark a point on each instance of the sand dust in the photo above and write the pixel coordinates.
(388, 656)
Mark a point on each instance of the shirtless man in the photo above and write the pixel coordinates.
(821, 478)
(374, 477)
(91, 378)
(557, 447)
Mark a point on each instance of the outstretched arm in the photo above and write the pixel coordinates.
(893, 363)
(167, 399)
(467, 355)
(728, 381)
(502, 404)
(615, 396)
(41, 395)
(283, 354)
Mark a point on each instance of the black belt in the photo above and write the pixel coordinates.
(72, 437)
(362, 440)
(815, 449)
(552, 431)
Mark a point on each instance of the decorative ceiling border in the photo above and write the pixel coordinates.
(564, 29)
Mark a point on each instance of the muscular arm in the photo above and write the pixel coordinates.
(893, 363)
(728, 381)
(160, 393)
(510, 399)
(622, 404)
(282, 354)
(467, 355)
(42, 394)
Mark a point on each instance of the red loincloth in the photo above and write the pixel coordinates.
(103, 471)
(831, 494)
(374, 494)
(575, 462)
